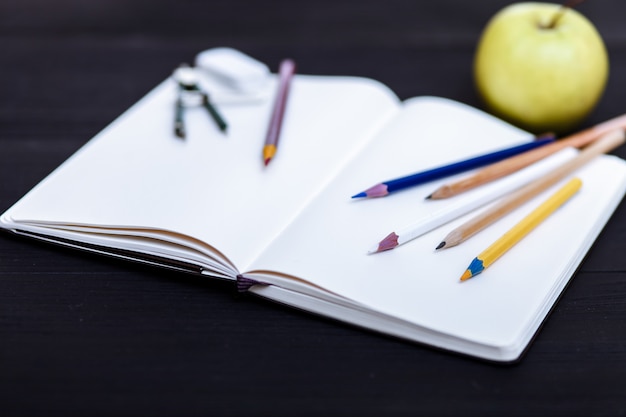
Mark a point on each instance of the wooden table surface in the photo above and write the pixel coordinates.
(81, 335)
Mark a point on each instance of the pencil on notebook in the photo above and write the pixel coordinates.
(514, 163)
(605, 144)
(285, 74)
(384, 188)
(521, 229)
(459, 207)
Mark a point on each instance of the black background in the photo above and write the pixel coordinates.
(82, 335)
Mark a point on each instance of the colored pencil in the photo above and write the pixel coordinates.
(387, 187)
(285, 74)
(521, 229)
(605, 144)
(463, 206)
(512, 164)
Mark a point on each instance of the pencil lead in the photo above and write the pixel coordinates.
(268, 153)
(389, 242)
(428, 197)
(476, 267)
(379, 190)
(441, 245)
(466, 275)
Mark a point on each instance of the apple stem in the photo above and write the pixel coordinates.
(557, 16)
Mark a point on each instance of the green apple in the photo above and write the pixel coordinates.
(541, 66)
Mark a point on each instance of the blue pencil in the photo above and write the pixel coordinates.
(387, 187)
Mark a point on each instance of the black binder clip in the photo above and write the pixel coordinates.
(187, 81)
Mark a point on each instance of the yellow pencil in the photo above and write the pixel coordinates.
(521, 229)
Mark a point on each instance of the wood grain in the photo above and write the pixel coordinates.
(82, 335)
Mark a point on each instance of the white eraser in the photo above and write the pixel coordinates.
(234, 68)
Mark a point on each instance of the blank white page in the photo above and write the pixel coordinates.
(211, 185)
(327, 244)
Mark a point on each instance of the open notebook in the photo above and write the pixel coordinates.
(208, 205)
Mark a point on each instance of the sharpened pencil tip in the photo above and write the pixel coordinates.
(379, 190)
(466, 275)
(476, 267)
(268, 153)
(428, 197)
(389, 242)
(441, 245)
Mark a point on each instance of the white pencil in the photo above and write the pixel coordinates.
(471, 202)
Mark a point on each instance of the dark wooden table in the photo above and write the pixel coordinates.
(85, 336)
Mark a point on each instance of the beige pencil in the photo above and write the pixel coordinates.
(517, 162)
(606, 143)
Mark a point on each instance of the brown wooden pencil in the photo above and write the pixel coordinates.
(517, 162)
(606, 143)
